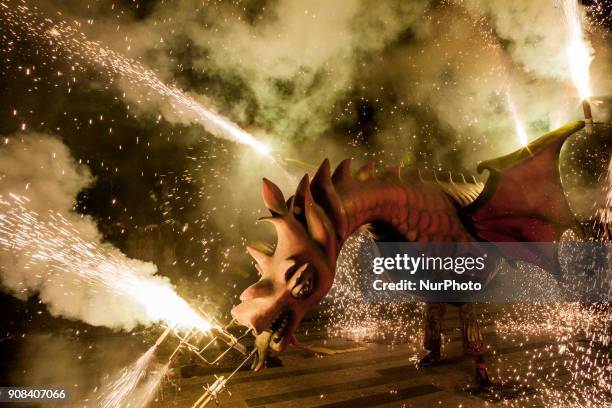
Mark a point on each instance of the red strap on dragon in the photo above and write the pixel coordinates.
(522, 201)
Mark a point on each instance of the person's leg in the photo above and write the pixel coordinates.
(473, 342)
(432, 341)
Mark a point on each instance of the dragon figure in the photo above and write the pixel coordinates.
(521, 201)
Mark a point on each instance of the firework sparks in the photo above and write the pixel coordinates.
(149, 389)
(360, 319)
(579, 56)
(570, 370)
(67, 40)
(605, 213)
(52, 240)
(116, 392)
(581, 337)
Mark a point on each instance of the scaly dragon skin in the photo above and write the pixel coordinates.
(314, 223)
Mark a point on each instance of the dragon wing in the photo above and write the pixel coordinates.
(523, 200)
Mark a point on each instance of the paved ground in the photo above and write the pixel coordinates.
(363, 374)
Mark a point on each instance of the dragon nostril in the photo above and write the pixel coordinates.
(247, 314)
(259, 289)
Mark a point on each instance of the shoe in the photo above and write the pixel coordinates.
(432, 358)
(482, 377)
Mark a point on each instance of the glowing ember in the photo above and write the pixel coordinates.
(579, 55)
(64, 38)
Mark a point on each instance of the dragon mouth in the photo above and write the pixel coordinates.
(271, 338)
(279, 329)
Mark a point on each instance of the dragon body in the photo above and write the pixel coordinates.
(522, 201)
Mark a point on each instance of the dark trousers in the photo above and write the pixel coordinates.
(473, 343)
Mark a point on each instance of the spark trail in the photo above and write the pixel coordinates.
(65, 39)
(115, 393)
(53, 241)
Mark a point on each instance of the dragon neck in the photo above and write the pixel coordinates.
(396, 210)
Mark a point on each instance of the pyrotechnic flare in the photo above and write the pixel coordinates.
(579, 57)
(55, 242)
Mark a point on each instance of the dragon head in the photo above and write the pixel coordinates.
(294, 276)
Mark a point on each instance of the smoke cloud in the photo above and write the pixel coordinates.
(295, 69)
(47, 249)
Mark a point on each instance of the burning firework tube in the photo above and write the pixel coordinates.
(163, 336)
(212, 393)
(588, 116)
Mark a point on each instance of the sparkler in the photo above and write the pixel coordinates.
(66, 39)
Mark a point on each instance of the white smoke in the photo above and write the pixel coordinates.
(46, 248)
(535, 30)
(296, 60)
(293, 63)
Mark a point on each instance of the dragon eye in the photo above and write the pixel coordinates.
(301, 281)
(303, 288)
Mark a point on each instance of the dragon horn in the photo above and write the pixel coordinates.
(260, 257)
(273, 198)
(366, 171)
(342, 174)
(319, 225)
(297, 203)
(324, 192)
